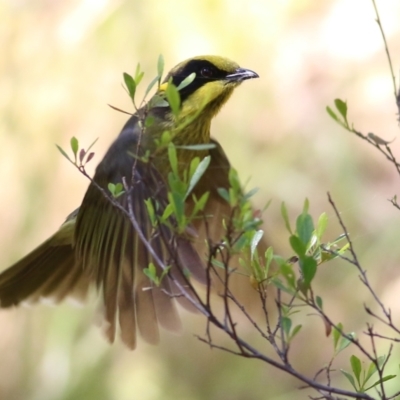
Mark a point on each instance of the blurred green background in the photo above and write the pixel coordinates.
(62, 63)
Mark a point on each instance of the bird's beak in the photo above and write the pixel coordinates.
(241, 74)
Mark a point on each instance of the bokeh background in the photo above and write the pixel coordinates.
(61, 64)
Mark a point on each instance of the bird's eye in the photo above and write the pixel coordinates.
(206, 72)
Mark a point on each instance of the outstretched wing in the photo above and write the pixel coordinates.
(211, 229)
(114, 253)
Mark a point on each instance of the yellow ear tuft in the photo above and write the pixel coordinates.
(163, 87)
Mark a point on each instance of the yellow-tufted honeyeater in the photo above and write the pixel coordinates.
(98, 244)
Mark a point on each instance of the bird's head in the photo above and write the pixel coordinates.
(215, 79)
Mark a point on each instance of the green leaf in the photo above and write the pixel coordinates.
(224, 194)
(341, 342)
(130, 85)
(198, 147)
(295, 331)
(138, 75)
(250, 193)
(280, 285)
(339, 238)
(302, 286)
(344, 248)
(187, 81)
(381, 360)
(326, 256)
(305, 227)
(218, 264)
(322, 225)
(337, 335)
(356, 367)
(93, 143)
(119, 188)
(306, 206)
(287, 271)
(332, 114)
(234, 180)
(179, 206)
(201, 203)
(64, 153)
(166, 138)
(111, 188)
(192, 167)
(384, 379)
(371, 371)
(286, 324)
(151, 212)
(160, 66)
(186, 272)
(297, 245)
(254, 242)
(173, 97)
(267, 205)
(342, 108)
(166, 270)
(167, 212)
(318, 300)
(286, 217)
(345, 341)
(308, 267)
(349, 378)
(116, 190)
(232, 197)
(158, 101)
(173, 158)
(74, 146)
(177, 185)
(269, 255)
(199, 172)
(150, 86)
(151, 273)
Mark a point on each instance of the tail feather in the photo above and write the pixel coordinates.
(126, 306)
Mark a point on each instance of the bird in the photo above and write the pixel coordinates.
(97, 245)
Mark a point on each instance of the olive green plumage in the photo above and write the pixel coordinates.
(97, 243)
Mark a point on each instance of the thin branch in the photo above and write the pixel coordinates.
(363, 273)
(251, 352)
(378, 20)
